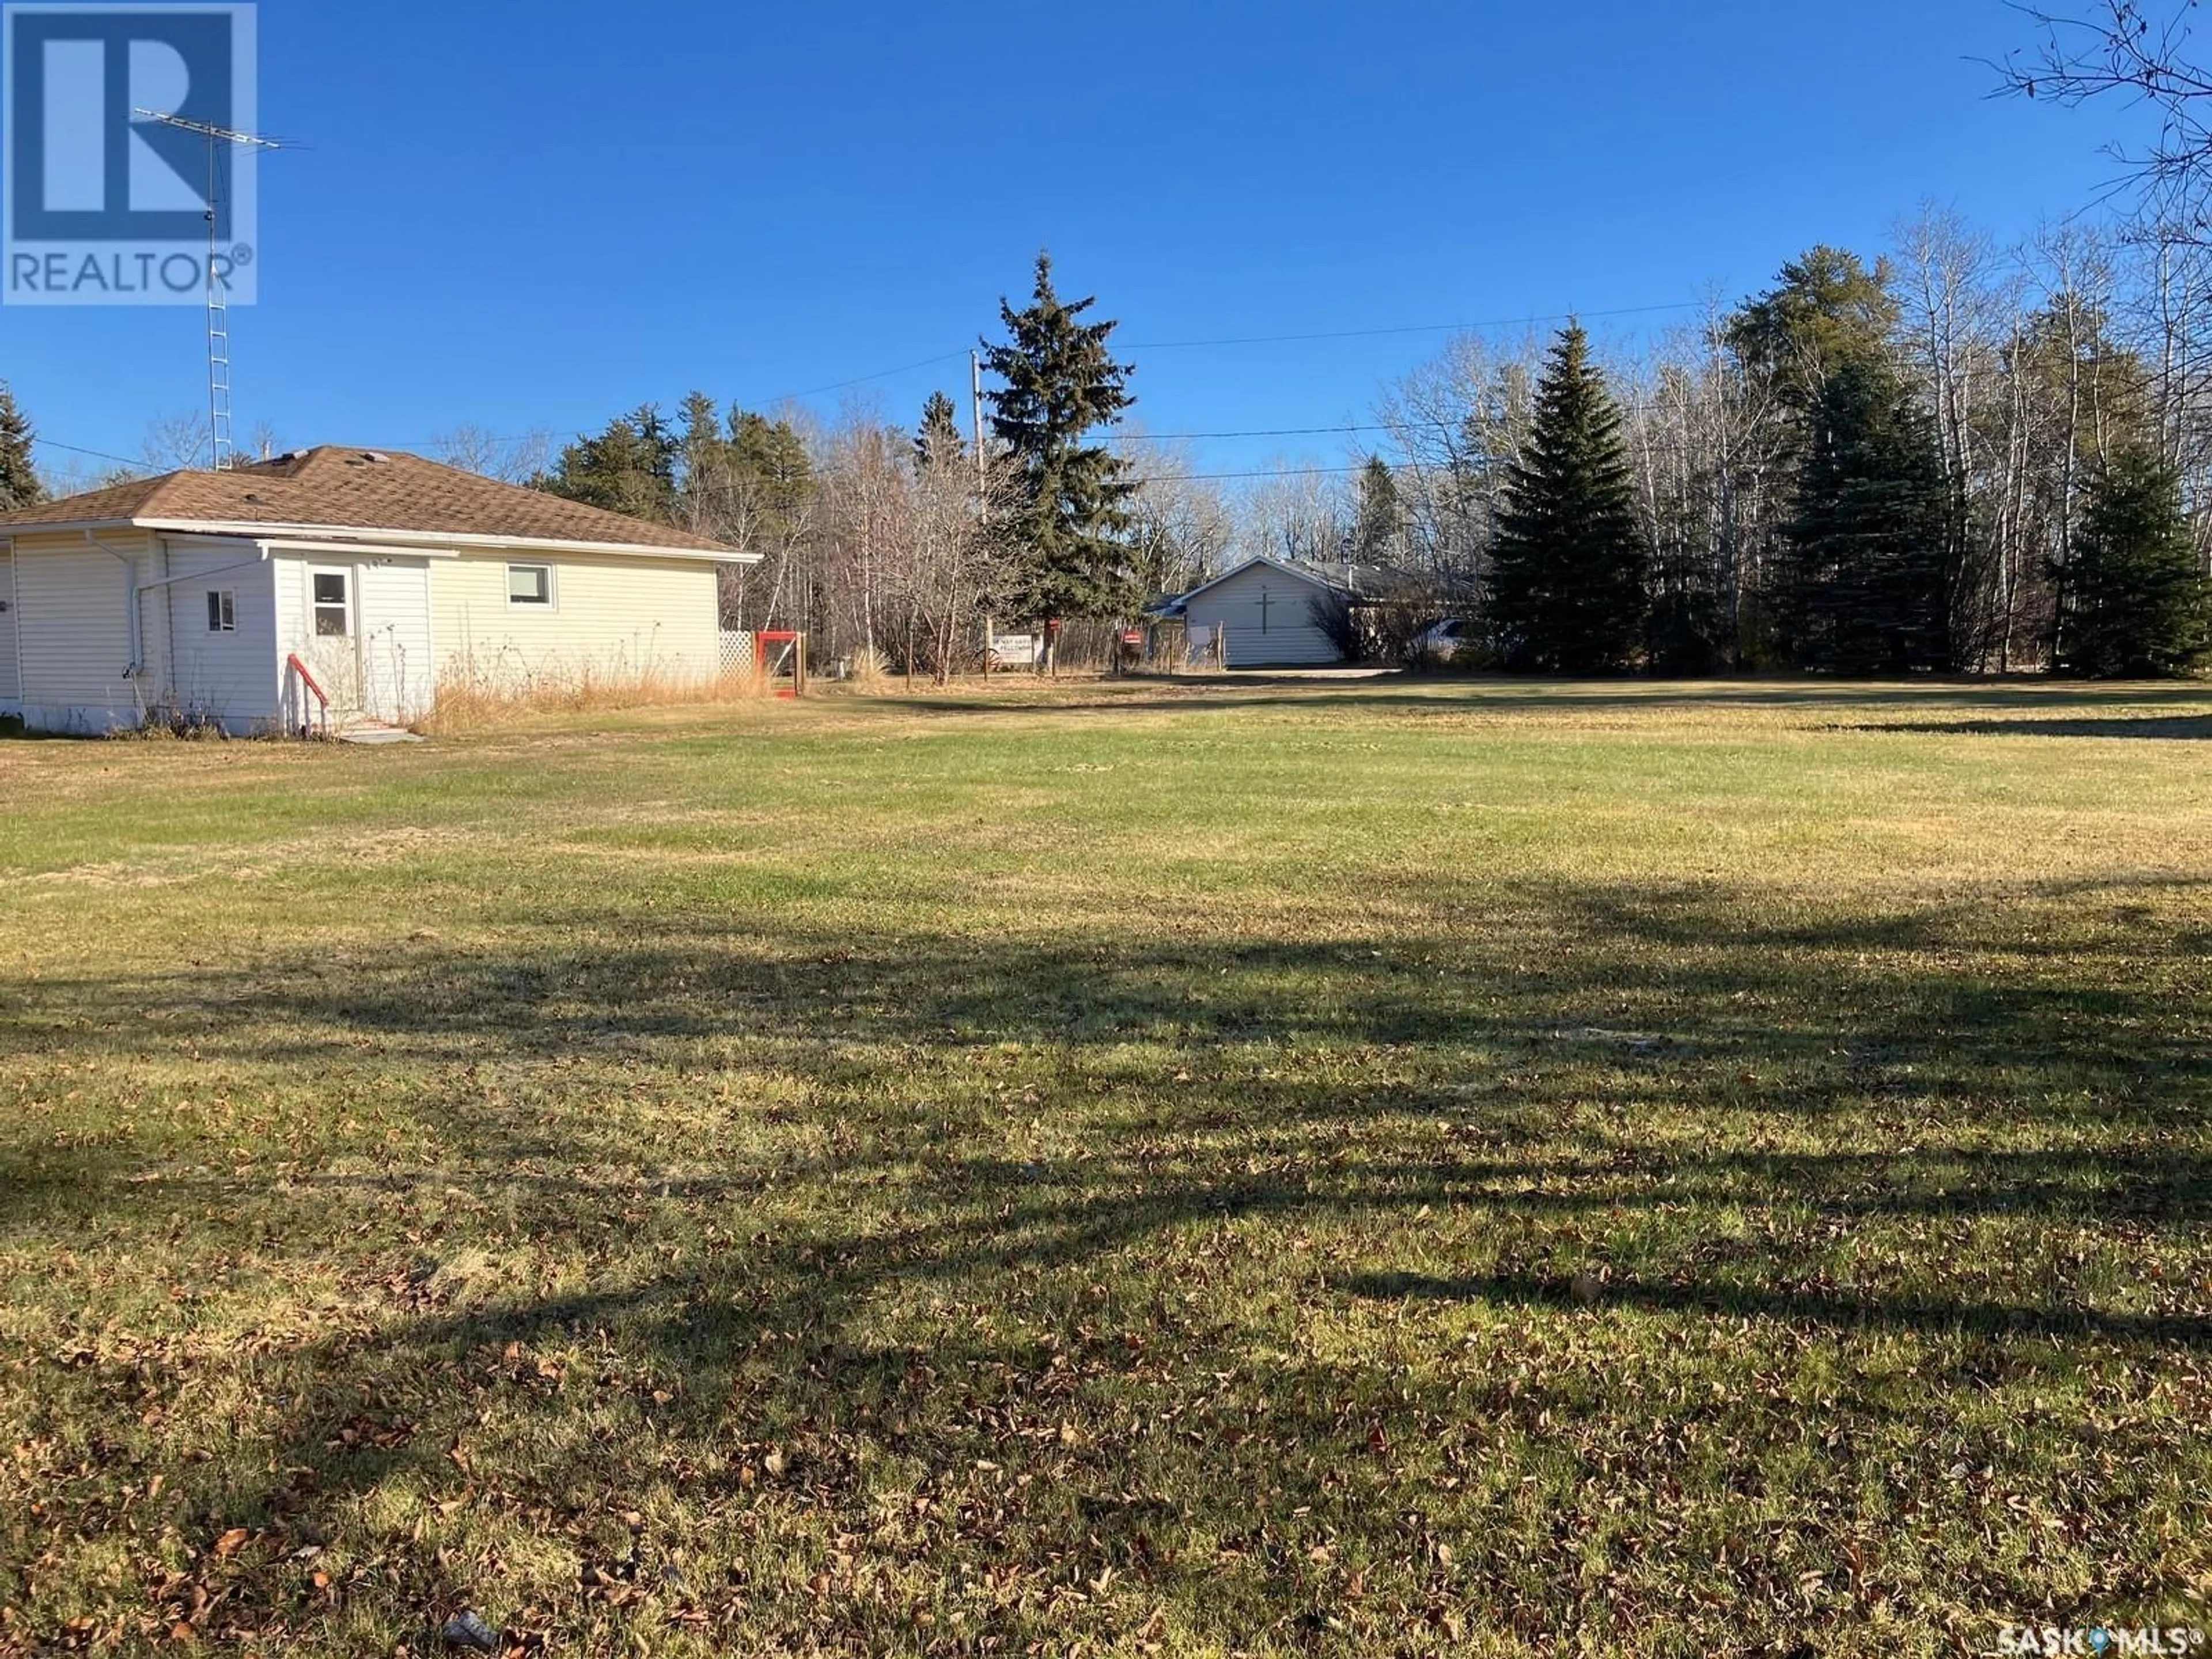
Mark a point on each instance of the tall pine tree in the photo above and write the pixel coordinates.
(2133, 601)
(1827, 310)
(1567, 570)
(630, 467)
(1378, 525)
(939, 440)
(1059, 383)
(1868, 555)
(19, 485)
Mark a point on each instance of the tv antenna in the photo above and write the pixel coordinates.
(221, 453)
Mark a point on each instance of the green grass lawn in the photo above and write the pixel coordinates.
(1402, 1167)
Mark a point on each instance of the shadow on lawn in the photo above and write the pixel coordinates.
(2167, 727)
(1234, 1100)
(1450, 694)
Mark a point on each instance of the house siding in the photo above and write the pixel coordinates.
(73, 633)
(381, 670)
(231, 677)
(397, 670)
(620, 617)
(1281, 633)
(11, 683)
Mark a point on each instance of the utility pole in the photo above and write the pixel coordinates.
(982, 494)
(975, 405)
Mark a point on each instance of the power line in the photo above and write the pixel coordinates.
(1408, 328)
(1224, 340)
(79, 449)
(1268, 432)
(1277, 473)
(1139, 345)
(862, 379)
(1275, 339)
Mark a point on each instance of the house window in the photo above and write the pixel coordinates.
(529, 584)
(333, 611)
(223, 611)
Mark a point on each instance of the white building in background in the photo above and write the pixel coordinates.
(1262, 614)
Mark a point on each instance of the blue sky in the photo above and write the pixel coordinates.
(539, 215)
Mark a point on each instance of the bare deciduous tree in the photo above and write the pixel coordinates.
(477, 449)
(1299, 510)
(174, 440)
(2129, 52)
(1455, 423)
(1181, 526)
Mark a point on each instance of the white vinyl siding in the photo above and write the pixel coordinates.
(392, 618)
(1266, 616)
(11, 684)
(380, 667)
(618, 618)
(73, 630)
(231, 675)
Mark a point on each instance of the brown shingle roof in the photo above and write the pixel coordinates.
(358, 490)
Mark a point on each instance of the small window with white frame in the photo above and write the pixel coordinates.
(222, 611)
(331, 596)
(530, 585)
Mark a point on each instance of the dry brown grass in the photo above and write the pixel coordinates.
(471, 702)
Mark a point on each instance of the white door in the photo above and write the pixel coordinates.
(364, 633)
(330, 634)
(394, 627)
(11, 681)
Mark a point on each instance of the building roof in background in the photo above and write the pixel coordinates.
(355, 492)
(1354, 581)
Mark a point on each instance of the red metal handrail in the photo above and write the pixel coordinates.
(322, 696)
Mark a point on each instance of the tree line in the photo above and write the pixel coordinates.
(896, 541)
(1951, 457)
(1957, 457)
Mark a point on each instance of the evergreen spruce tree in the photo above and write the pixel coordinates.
(1827, 311)
(939, 440)
(1567, 570)
(1866, 579)
(703, 490)
(2134, 602)
(1059, 383)
(1378, 526)
(19, 485)
(630, 467)
(771, 485)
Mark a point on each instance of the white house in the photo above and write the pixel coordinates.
(356, 578)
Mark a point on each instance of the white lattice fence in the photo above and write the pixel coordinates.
(737, 651)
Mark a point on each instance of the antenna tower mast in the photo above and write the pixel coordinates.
(221, 451)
